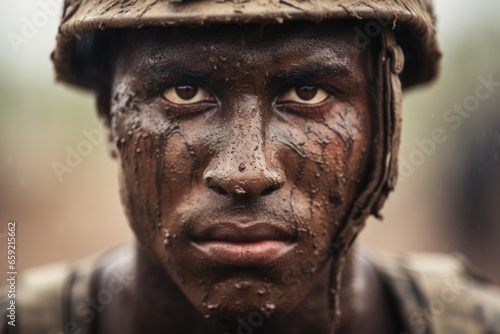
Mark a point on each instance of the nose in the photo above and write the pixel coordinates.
(228, 180)
(245, 166)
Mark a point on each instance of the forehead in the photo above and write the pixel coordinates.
(275, 45)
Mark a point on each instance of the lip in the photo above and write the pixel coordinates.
(245, 254)
(244, 244)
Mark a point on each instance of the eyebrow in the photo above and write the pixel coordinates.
(314, 71)
(172, 69)
(297, 73)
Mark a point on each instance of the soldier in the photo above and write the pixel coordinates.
(254, 139)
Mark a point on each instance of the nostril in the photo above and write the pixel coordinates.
(276, 184)
(268, 191)
(218, 190)
(209, 181)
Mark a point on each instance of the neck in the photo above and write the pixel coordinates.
(368, 308)
(159, 306)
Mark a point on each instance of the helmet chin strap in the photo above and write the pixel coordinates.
(384, 164)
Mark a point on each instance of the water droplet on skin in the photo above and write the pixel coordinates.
(270, 306)
(212, 306)
(242, 285)
(138, 150)
(261, 292)
(239, 190)
(167, 236)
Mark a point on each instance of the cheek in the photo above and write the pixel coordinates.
(333, 172)
(156, 161)
(346, 149)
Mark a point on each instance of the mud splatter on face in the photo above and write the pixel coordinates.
(231, 141)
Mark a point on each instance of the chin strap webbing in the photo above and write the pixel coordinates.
(383, 165)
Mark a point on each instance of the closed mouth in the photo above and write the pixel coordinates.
(244, 244)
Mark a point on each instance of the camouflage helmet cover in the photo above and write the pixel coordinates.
(412, 20)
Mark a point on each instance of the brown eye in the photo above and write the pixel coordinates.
(186, 94)
(304, 95)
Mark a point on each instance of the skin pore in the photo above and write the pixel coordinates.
(241, 150)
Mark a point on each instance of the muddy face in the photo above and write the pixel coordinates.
(241, 151)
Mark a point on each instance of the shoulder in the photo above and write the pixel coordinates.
(438, 293)
(54, 298)
(33, 296)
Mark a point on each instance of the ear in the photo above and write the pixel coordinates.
(103, 101)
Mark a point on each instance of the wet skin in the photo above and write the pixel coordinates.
(241, 151)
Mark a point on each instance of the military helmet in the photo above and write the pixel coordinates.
(412, 20)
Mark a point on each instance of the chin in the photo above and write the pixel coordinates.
(229, 302)
(253, 314)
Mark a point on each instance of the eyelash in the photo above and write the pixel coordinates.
(314, 111)
(154, 91)
(187, 109)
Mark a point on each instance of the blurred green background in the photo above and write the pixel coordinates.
(66, 220)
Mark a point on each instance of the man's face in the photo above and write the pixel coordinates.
(241, 151)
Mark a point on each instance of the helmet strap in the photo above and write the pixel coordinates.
(383, 175)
